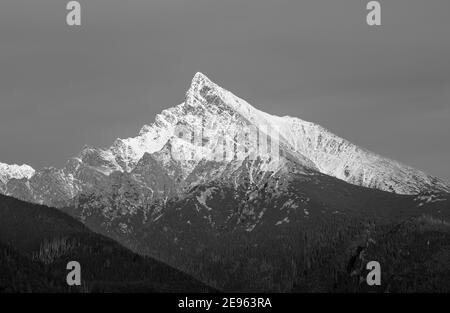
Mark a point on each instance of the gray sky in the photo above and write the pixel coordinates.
(385, 88)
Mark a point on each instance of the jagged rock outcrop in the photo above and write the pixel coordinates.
(199, 140)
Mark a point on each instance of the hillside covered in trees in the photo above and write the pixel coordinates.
(37, 242)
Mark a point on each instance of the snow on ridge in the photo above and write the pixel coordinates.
(9, 171)
(312, 145)
(14, 171)
(330, 154)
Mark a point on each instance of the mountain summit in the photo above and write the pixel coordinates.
(8, 172)
(248, 201)
(219, 116)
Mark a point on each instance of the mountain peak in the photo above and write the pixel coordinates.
(200, 78)
(199, 81)
(221, 116)
(205, 93)
(200, 85)
(8, 172)
(17, 170)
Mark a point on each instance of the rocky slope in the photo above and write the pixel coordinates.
(244, 200)
(207, 127)
(282, 231)
(8, 172)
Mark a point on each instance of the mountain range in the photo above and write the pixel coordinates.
(305, 214)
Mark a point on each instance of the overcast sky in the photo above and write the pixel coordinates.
(385, 88)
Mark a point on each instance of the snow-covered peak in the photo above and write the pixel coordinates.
(199, 85)
(221, 117)
(16, 171)
(313, 145)
(8, 172)
(200, 80)
(204, 92)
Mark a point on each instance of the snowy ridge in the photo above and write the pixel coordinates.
(340, 158)
(220, 116)
(331, 154)
(8, 172)
(206, 102)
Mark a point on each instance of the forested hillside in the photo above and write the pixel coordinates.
(37, 242)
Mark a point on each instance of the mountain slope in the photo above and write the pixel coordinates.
(218, 119)
(247, 201)
(37, 242)
(8, 172)
(284, 231)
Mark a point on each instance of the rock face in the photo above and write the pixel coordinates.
(241, 199)
(8, 172)
(339, 158)
(217, 118)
